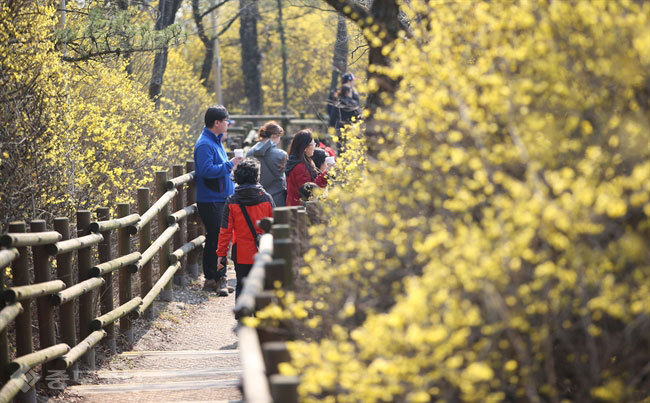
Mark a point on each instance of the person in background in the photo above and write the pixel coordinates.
(349, 108)
(213, 186)
(348, 79)
(333, 111)
(300, 167)
(319, 159)
(272, 161)
(244, 208)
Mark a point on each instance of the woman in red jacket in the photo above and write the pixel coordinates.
(300, 168)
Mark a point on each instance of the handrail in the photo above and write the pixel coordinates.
(9, 313)
(7, 256)
(254, 284)
(179, 180)
(76, 290)
(38, 357)
(255, 385)
(148, 254)
(80, 349)
(156, 289)
(108, 225)
(29, 239)
(23, 292)
(110, 317)
(70, 245)
(178, 254)
(181, 214)
(112, 265)
(153, 210)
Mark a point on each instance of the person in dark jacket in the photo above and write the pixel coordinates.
(300, 167)
(272, 162)
(250, 197)
(213, 186)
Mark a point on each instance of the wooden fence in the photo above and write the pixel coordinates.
(73, 299)
(262, 349)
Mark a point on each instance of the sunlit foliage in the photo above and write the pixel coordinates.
(497, 249)
(78, 135)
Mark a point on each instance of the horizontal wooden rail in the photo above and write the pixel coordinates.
(112, 265)
(77, 290)
(245, 304)
(29, 239)
(108, 225)
(261, 117)
(9, 313)
(73, 244)
(153, 210)
(181, 214)
(79, 350)
(115, 314)
(23, 292)
(178, 254)
(15, 384)
(179, 180)
(255, 385)
(38, 357)
(156, 289)
(7, 256)
(148, 254)
(306, 122)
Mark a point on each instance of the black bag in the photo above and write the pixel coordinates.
(256, 236)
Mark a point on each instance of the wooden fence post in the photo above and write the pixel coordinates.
(125, 291)
(146, 281)
(87, 300)
(24, 344)
(163, 255)
(192, 225)
(66, 310)
(45, 309)
(180, 277)
(105, 252)
(303, 230)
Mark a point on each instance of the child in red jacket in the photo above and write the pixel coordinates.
(250, 199)
(300, 168)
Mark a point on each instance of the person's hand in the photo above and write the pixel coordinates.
(221, 262)
(236, 160)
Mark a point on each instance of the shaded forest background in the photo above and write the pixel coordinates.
(98, 95)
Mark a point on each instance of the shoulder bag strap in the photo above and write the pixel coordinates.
(250, 223)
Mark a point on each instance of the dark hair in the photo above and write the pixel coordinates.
(319, 157)
(306, 191)
(347, 77)
(299, 144)
(247, 172)
(269, 129)
(214, 113)
(346, 91)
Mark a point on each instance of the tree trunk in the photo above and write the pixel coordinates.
(386, 12)
(206, 68)
(251, 57)
(166, 14)
(285, 91)
(340, 60)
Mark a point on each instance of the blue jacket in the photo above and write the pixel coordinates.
(212, 169)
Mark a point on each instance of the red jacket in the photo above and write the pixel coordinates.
(258, 204)
(298, 176)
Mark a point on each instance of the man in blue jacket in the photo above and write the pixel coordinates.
(213, 186)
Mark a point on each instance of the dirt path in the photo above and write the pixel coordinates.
(188, 353)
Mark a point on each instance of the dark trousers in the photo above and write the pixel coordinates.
(241, 270)
(211, 216)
